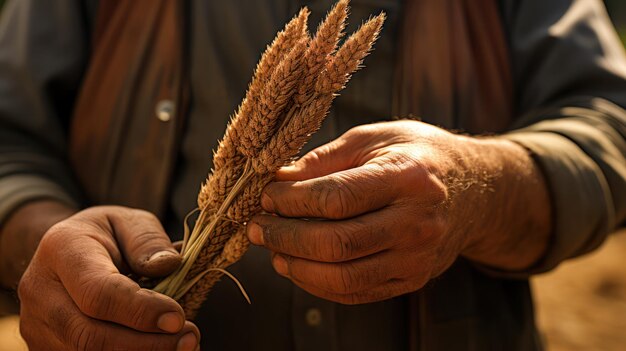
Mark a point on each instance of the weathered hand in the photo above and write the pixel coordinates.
(378, 212)
(75, 296)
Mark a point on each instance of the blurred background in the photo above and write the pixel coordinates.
(580, 306)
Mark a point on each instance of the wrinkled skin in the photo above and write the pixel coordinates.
(75, 294)
(387, 207)
(372, 215)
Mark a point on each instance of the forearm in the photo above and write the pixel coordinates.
(507, 208)
(21, 233)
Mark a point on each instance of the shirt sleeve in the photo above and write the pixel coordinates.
(43, 52)
(570, 72)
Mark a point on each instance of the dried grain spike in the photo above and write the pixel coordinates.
(236, 246)
(350, 56)
(286, 39)
(232, 252)
(220, 182)
(289, 140)
(203, 195)
(214, 247)
(293, 32)
(287, 143)
(272, 101)
(231, 195)
(322, 45)
(192, 301)
(226, 148)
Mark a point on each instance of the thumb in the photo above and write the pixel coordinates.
(338, 155)
(144, 243)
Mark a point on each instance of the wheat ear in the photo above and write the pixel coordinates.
(291, 92)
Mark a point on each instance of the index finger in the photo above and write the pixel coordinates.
(85, 268)
(327, 241)
(338, 195)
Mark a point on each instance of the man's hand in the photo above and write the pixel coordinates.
(387, 207)
(75, 294)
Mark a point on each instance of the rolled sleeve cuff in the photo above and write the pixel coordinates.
(17, 190)
(581, 199)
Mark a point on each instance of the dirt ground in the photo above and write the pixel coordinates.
(580, 306)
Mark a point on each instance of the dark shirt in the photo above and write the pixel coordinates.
(570, 91)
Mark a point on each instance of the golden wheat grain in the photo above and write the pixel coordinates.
(350, 56)
(272, 101)
(322, 45)
(249, 111)
(227, 152)
(290, 94)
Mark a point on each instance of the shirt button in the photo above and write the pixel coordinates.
(165, 110)
(313, 317)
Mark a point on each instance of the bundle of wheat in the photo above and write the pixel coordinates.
(290, 94)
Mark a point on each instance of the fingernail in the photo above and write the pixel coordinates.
(255, 233)
(280, 265)
(170, 322)
(267, 203)
(188, 342)
(288, 168)
(161, 254)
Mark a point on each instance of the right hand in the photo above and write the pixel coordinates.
(75, 294)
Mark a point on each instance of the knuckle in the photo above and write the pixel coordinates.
(25, 288)
(99, 297)
(347, 280)
(280, 236)
(113, 300)
(439, 192)
(145, 214)
(359, 131)
(93, 301)
(408, 169)
(430, 231)
(288, 237)
(138, 314)
(333, 198)
(54, 237)
(335, 204)
(341, 246)
(146, 238)
(145, 224)
(270, 239)
(84, 336)
(315, 156)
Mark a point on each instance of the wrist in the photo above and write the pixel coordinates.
(506, 207)
(21, 233)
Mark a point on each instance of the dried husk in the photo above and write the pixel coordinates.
(291, 93)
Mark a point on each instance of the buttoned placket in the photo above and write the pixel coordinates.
(165, 110)
(314, 322)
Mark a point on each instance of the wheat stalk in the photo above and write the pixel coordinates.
(291, 92)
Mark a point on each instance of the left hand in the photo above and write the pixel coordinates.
(374, 214)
